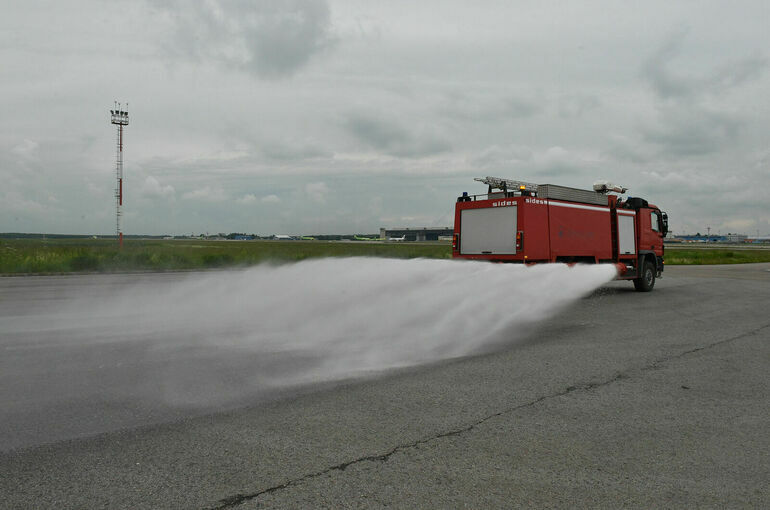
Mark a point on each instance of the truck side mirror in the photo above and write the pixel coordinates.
(664, 221)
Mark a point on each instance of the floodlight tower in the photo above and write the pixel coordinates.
(119, 117)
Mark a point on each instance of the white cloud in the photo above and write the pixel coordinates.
(317, 191)
(270, 199)
(206, 194)
(27, 149)
(151, 188)
(246, 199)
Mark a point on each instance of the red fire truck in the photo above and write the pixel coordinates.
(522, 222)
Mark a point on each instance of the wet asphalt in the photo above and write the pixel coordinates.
(623, 400)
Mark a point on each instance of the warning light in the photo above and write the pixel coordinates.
(522, 187)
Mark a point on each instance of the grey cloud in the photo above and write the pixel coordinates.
(574, 106)
(445, 87)
(517, 107)
(683, 190)
(559, 162)
(669, 85)
(692, 132)
(656, 69)
(496, 158)
(526, 163)
(270, 38)
(278, 151)
(393, 138)
(689, 121)
(736, 73)
(628, 149)
(465, 107)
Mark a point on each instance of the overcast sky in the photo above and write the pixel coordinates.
(305, 116)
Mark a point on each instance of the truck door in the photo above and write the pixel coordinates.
(626, 232)
(650, 231)
(488, 231)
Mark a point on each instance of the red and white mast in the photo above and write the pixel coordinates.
(119, 117)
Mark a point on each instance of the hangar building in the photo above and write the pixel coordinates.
(417, 233)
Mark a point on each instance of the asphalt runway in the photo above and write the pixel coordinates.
(64, 378)
(623, 400)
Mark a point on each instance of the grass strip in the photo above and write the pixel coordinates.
(45, 256)
(23, 256)
(708, 256)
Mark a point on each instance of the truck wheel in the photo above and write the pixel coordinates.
(647, 280)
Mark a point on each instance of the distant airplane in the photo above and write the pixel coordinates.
(308, 238)
(283, 237)
(358, 238)
(397, 239)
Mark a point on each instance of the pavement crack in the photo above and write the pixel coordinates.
(682, 354)
(238, 499)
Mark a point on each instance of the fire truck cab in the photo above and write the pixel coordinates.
(522, 222)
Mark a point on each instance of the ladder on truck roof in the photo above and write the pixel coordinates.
(511, 184)
(597, 197)
(506, 184)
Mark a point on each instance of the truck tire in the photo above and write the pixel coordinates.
(647, 280)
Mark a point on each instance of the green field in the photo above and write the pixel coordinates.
(19, 256)
(40, 256)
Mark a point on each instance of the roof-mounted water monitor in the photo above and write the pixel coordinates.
(607, 186)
